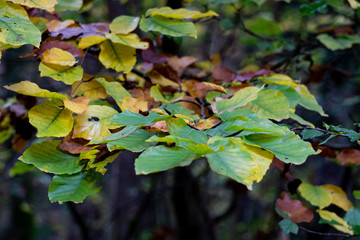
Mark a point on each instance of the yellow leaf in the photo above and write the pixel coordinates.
(48, 5)
(134, 105)
(92, 89)
(89, 41)
(58, 56)
(157, 78)
(51, 119)
(131, 40)
(340, 224)
(66, 74)
(280, 79)
(180, 13)
(13, 10)
(100, 166)
(354, 4)
(117, 56)
(31, 89)
(339, 197)
(94, 123)
(77, 105)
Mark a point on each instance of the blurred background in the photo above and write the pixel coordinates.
(193, 202)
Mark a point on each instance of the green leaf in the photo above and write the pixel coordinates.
(288, 148)
(271, 104)
(51, 119)
(160, 158)
(135, 142)
(352, 217)
(239, 161)
(8, 9)
(258, 2)
(19, 31)
(176, 109)
(356, 194)
(75, 188)
(288, 226)
(166, 26)
(124, 24)
(128, 118)
(340, 42)
(48, 5)
(94, 123)
(20, 168)
(68, 5)
(180, 130)
(180, 13)
(289, 92)
(313, 8)
(265, 27)
(116, 56)
(239, 99)
(131, 40)
(31, 89)
(311, 133)
(156, 93)
(115, 90)
(316, 195)
(66, 74)
(98, 166)
(48, 158)
(308, 101)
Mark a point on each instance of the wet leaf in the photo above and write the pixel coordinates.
(48, 158)
(296, 210)
(117, 56)
(51, 119)
(316, 195)
(75, 188)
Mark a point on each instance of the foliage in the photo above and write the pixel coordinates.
(172, 110)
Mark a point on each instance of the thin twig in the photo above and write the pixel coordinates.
(324, 234)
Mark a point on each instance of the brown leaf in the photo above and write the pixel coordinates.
(349, 156)
(74, 145)
(276, 163)
(158, 126)
(167, 71)
(180, 64)
(18, 143)
(296, 210)
(317, 73)
(221, 75)
(200, 89)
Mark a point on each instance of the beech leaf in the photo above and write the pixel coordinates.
(339, 197)
(48, 158)
(180, 13)
(75, 188)
(94, 123)
(117, 56)
(124, 24)
(48, 5)
(295, 209)
(58, 56)
(65, 74)
(334, 220)
(131, 40)
(316, 195)
(77, 105)
(89, 41)
(51, 119)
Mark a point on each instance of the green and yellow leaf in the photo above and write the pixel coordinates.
(316, 195)
(65, 74)
(89, 41)
(48, 5)
(51, 119)
(58, 56)
(131, 40)
(334, 220)
(77, 105)
(124, 24)
(180, 13)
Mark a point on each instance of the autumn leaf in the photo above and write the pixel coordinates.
(338, 196)
(48, 5)
(295, 209)
(349, 156)
(58, 56)
(77, 105)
